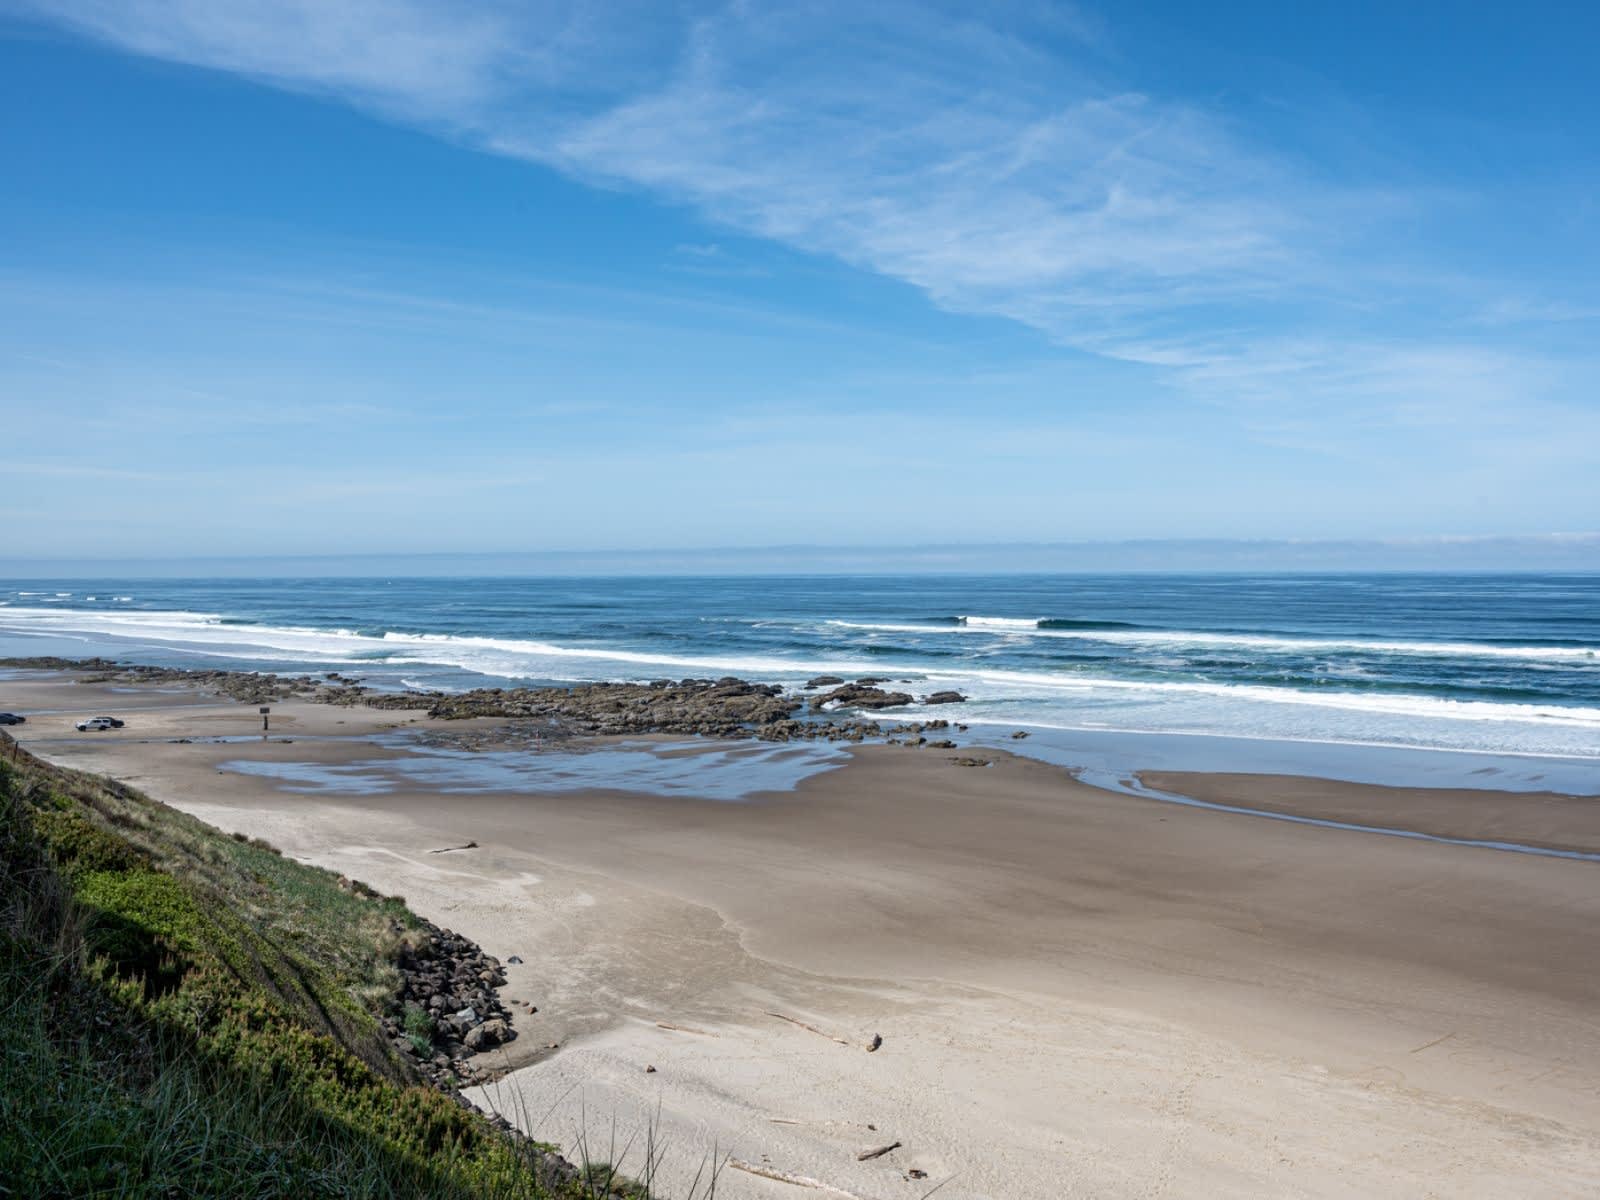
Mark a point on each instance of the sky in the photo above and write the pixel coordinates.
(473, 276)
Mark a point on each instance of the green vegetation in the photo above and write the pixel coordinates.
(184, 1014)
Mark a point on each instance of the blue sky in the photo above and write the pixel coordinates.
(396, 276)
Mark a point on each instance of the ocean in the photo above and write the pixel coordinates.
(1504, 666)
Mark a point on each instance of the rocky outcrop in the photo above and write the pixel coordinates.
(724, 708)
(858, 695)
(944, 698)
(247, 687)
(714, 707)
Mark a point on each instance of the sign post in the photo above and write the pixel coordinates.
(264, 719)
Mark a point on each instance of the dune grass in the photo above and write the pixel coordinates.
(184, 1013)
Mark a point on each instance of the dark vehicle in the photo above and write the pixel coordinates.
(12, 719)
(95, 724)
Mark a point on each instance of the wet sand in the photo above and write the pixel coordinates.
(1544, 819)
(1078, 992)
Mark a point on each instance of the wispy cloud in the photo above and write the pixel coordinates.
(996, 163)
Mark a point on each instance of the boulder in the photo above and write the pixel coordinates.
(944, 698)
(488, 1035)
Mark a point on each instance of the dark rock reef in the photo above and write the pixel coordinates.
(861, 695)
(724, 708)
(715, 707)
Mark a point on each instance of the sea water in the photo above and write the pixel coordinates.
(1481, 672)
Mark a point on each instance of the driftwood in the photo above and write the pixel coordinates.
(784, 1177)
(447, 849)
(878, 1153)
(684, 1029)
(1435, 1042)
(809, 1028)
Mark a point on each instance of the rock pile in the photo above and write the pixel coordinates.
(447, 1010)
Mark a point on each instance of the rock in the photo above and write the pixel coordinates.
(945, 698)
(824, 681)
(514, 960)
(488, 1035)
(649, 1070)
(963, 761)
(467, 1015)
(858, 695)
(1019, 735)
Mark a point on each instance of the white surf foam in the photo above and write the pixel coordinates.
(505, 657)
(527, 658)
(1175, 637)
(1006, 623)
(1394, 704)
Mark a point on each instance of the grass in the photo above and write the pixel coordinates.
(419, 1028)
(186, 1014)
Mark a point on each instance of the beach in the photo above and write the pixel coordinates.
(1078, 992)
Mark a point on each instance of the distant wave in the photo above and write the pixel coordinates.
(1037, 623)
(1065, 623)
(1006, 623)
(1124, 634)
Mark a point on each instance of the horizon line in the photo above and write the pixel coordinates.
(1571, 551)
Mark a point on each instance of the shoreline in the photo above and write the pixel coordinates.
(1554, 823)
(1076, 989)
(1541, 822)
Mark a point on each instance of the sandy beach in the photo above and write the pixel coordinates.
(1078, 992)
